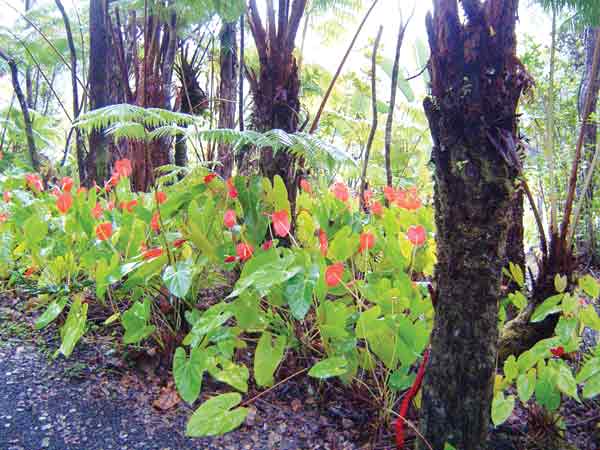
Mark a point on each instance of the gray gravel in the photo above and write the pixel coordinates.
(64, 405)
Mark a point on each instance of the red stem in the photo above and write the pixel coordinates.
(401, 421)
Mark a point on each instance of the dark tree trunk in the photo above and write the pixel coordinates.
(14, 72)
(275, 89)
(476, 84)
(227, 94)
(97, 159)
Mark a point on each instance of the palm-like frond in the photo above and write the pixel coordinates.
(588, 11)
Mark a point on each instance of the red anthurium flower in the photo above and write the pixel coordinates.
(152, 253)
(408, 199)
(389, 193)
(323, 242)
(208, 178)
(416, 234)
(281, 223)
(558, 351)
(155, 223)
(123, 167)
(229, 219)
(267, 245)
(377, 208)
(244, 251)
(340, 190)
(64, 202)
(333, 274)
(3, 218)
(230, 259)
(233, 193)
(97, 211)
(111, 205)
(34, 182)
(161, 197)
(305, 186)
(55, 191)
(367, 242)
(30, 271)
(179, 242)
(111, 182)
(66, 184)
(6, 196)
(130, 205)
(104, 231)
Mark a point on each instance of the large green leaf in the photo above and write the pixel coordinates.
(188, 373)
(526, 385)
(35, 229)
(267, 357)
(502, 408)
(215, 416)
(52, 312)
(590, 286)
(299, 290)
(135, 321)
(549, 306)
(565, 382)
(330, 367)
(74, 326)
(590, 368)
(592, 387)
(178, 278)
(233, 374)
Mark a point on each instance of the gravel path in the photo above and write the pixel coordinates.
(66, 405)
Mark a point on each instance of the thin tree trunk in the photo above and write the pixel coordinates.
(78, 137)
(227, 94)
(97, 160)
(33, 155)
(390, 118)
(363, 178)
(476, 84)
(241, 76)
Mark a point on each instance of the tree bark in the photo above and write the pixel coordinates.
(476, 84)
(33, 155)
(97, 159)
(227, 95)
(373, 130)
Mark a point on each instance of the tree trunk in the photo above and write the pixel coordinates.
(97, 159)
(33, 156)
(275, 90)
(476, 84)
(227, 94)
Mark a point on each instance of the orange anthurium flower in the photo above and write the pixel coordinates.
(111, 205)
(333, 274)
(66, 184)
(130, 205)
(161, 197)
(34, 182)
(377, 208)
(208, 178)
(416, 234)
(340, 190)
(30, 271)
(6, 196)
(81, 189)
(104, 231)
(233, 193)
(408, 199)
(367, 242)
(281, 223)
(97, 211)
(244, 251)
(323, 242)
(64, 202)
(155, 223)
(152, 253)
(123, 167)
(229, 219)
(389, 193)
(305, 186)
(367, 196)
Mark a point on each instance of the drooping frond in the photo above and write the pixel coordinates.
(588, 11)
(126, 113)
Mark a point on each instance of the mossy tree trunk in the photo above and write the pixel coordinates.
(476, 84)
